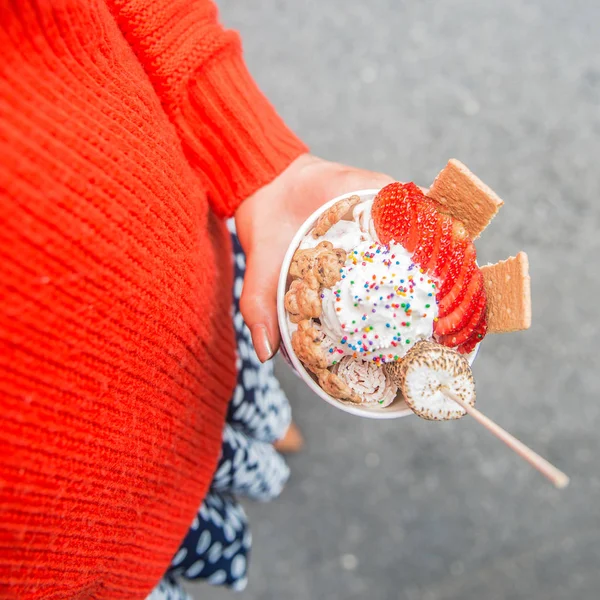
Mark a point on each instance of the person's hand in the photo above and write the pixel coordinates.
(267, 221)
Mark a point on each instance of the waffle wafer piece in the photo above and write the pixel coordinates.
(508, 288)
(465, 197)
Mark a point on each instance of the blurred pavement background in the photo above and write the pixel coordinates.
(407, 509)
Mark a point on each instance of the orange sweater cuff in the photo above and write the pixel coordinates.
(231, 134)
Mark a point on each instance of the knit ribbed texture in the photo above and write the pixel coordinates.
(116, 346)
(241, 129)
(231, 134)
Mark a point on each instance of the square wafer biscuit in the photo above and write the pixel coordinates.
(465, 197)
(508, 290)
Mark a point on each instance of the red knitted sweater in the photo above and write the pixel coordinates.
(128, 130)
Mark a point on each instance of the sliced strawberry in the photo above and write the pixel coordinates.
(428, 230)
(471, 288)
(458, 318)
(414, 231)
(443, 245)
(457, 244)
(476, 337)
(449, 297)
(392, 212)
(454, 265)
(437, 235)
(467, 319)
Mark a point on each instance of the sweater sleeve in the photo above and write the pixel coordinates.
(230, 133)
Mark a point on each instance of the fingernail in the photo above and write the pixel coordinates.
(262, 345)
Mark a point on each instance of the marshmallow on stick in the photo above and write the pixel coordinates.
(425, 372)
(437, 384)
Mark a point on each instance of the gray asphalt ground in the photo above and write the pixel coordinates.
(408, 509)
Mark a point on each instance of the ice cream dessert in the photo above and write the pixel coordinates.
(385, 303)
(378, 274)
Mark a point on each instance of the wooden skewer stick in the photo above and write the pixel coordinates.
(556, 476)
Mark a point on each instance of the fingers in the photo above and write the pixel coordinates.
(358, 179)
(259, 302)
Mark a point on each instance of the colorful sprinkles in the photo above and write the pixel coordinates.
(396, 304)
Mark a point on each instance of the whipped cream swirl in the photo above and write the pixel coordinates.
(381, 307)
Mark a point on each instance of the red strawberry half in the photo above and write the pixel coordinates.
(443, 244)
(463, 256)
(452, 252)
(392, 212)
(476, 337)
(428, 226)
(454, 288)
(462, 322)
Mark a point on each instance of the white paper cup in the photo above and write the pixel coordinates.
(398, 407)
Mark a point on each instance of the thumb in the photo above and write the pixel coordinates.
(258, 303)
(356, 179)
